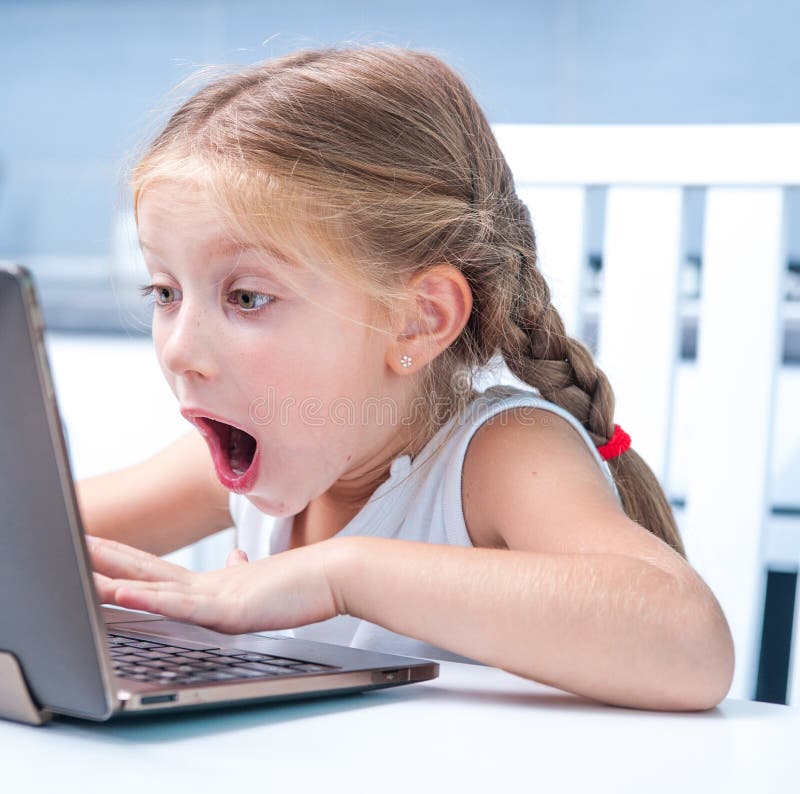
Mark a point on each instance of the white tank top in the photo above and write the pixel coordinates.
(417, 502)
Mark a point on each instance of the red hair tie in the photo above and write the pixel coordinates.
(619, 442)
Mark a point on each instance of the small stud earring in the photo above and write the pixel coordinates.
(405, 361)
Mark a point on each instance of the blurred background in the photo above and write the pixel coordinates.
(85, 83)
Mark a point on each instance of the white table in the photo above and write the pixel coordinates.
(474, 729)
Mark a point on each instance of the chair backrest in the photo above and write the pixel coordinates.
(645, 172)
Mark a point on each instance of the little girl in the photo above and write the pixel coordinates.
(337, 251)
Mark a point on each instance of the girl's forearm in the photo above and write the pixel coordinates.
(609, 627)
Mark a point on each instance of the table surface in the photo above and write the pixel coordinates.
(472, 729)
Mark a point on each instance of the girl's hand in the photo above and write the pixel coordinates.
(290, 589)
(236, 557)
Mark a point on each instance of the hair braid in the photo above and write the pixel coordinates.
(538, 351)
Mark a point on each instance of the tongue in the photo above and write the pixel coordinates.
(241, 448)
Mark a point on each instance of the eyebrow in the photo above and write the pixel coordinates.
(227, 247)
(230, 247)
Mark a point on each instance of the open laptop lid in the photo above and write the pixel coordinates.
(49, 618)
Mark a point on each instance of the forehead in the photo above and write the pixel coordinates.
(168, 212)
(177, 220)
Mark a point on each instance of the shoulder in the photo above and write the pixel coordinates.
(530, 482)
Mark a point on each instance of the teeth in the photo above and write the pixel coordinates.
(239, 454)
(238, 446)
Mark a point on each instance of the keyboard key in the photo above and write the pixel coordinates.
(245, 673)
(219, 675)
(277, 660)
(171, 647)
(197, 654)
(225, 659)
(153, 664)
(252, 657)
(129, 657)
(149, 654)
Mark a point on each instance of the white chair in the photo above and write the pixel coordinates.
(744, 170)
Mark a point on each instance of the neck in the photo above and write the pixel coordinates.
(327, 514)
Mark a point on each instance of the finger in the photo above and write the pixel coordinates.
(117, 560)
(198, 608)
(130, 593)
(136, 584)
(101, 584)
(95, 541)
(236, 557)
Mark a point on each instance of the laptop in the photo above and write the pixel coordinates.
(61, 651)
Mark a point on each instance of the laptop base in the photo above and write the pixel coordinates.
(16, 702)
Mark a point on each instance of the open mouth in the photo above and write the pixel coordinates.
(232, 449)
(240, 447)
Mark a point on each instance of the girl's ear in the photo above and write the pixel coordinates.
(440, 303)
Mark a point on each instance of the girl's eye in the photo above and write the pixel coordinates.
(249, 300)
(163, 295)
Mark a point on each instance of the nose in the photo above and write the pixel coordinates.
(185, 342)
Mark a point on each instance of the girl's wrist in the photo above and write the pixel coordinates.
(340, 555)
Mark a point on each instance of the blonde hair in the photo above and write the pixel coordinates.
(380, 159)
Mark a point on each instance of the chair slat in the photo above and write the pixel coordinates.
(738, 359)
(638, 332)
(657, 154)
(793, 684)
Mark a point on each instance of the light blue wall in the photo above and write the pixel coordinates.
(79, 78)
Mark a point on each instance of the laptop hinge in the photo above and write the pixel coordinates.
(16, 702)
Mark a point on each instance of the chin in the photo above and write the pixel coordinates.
(277, 508)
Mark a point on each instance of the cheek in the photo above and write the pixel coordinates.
(160, 326)
(269, 379)
(304, 363)
(308, 356)
(158, 337)
(341, 354)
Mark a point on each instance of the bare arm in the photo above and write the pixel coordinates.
(162, 504)
(570, 592)
(605, 626)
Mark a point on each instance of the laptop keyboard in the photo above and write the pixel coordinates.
(160, 663)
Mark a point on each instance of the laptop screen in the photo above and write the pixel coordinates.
(47, 611)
